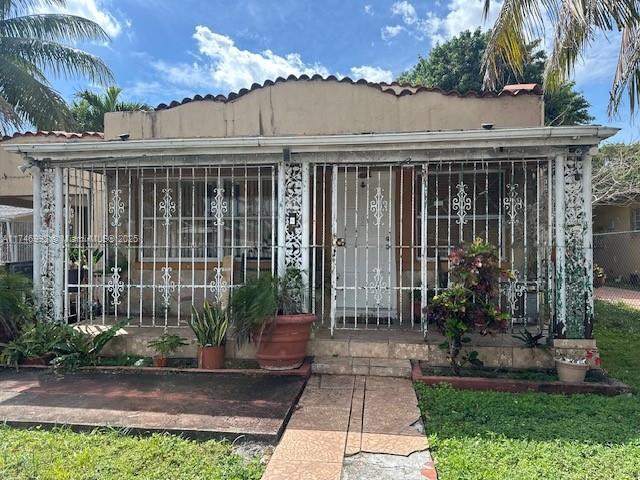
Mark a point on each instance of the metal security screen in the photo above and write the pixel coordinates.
(382, 235)
(150, 243)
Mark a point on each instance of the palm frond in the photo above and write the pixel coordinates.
(519, 23)
(60, 60)
(53, 27)
(17, 7)
(577, 24)
(33, 100)
(9, 119)
(627, 75)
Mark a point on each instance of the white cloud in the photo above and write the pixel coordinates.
(93, 10)
(461, 15)
(390, 31)
(222, 66)
(373, 74)
(368, 9)
(406, 10)
(599, 61)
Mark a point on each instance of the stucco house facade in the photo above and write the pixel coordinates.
(365, 187)
(616, 231)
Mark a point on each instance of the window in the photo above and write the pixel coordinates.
(222, 216)
(447, 223)
(635, 219)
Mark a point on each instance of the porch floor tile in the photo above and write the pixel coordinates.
(195, 404)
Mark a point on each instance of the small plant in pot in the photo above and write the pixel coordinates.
(572, 369)
(165, 345)
(271, 311)
(210, 328)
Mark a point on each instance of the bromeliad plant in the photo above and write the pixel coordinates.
(471, 301)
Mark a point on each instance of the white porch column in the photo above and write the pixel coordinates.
(587, 193)
(574, 247)
(57, 246)
(561, 293)
(36, 182)
(294, 216)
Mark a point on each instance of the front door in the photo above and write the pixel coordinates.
(363, 232)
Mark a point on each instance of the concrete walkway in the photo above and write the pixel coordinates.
(351, 427)
(612, 294)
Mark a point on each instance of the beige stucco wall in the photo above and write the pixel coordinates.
(15, 186)
(617, 253)
(321, 107)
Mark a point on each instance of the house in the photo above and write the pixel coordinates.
(365, 187)
(616, 241)
(16, 197)
(16, 225)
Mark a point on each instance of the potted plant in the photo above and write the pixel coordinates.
(210, 328)
(571, 369)
(599, 276)
(271, 311)
(36, 345)
(164, 345)
(417, 303)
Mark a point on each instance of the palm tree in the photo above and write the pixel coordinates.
(89, 108)
(32, 46)
(576, 24)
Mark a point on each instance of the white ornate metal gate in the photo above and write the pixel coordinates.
(382, 234)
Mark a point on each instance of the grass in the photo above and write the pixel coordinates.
(492, 435)
(64, 455)
(617, 332)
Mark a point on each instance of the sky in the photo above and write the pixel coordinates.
(164, 50)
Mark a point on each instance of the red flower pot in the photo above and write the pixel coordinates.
(160, 361)
(283, 342)
(211, 358)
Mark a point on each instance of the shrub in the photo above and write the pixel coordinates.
(470, 302)
(16, 304)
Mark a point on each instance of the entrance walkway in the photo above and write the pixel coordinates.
(353, 427)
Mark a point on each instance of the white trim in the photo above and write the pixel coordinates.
(496, 138)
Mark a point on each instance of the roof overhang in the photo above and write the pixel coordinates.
(481, 139)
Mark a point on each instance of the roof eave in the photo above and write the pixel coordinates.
(461, 139)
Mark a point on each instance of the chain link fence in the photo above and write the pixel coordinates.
(616, 257)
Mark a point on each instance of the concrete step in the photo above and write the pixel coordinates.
(409, 348)
(379, 367)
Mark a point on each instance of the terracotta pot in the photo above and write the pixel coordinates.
(417, 309)
(211, 358)
(283, 343)
(160, 361)
(571, 372)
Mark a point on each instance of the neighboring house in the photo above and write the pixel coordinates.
(16, 228)
(616, 241)
(365, 187)
(15, 185)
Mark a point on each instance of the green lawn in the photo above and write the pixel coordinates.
(490, 435)
(64, 455)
